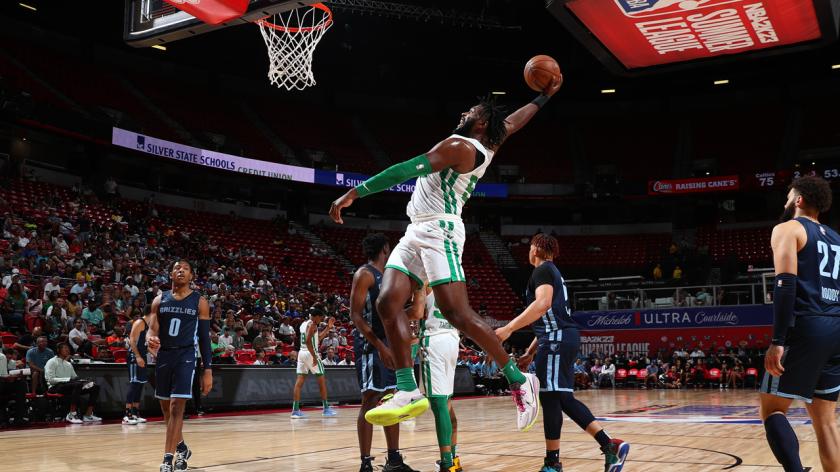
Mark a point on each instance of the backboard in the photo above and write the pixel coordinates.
(150, 22)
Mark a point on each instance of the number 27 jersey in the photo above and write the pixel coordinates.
(178, 321)
(818, 270)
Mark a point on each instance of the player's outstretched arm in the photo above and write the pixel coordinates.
(518, 119)
(786, 241)
(542, 302)
(204, 345)
(450, 152)
(152, 339)
(324, 332)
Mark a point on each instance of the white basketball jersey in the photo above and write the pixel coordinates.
(446, 192)
(434, 323)
(303, 328)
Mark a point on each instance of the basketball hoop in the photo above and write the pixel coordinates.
(291, 38)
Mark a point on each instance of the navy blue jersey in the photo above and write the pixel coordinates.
(369, 313)
(141, 343)
(178, 321)
(818, 268)
(559, 316)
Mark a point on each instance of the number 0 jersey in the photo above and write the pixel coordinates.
(818, 268)
(446, 192)
(178, 320)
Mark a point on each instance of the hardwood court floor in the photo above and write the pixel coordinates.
(679, 431)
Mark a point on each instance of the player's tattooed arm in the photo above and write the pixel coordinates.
(152, 339)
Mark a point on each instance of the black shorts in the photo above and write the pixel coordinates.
(372, 373)
(174, 373)
(555, 361)
(811, 361)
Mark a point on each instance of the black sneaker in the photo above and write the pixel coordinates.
(367, 465)
(166, 467)
(181, 458)
(401, 467)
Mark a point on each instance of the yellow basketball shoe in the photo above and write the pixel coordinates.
(397, 408)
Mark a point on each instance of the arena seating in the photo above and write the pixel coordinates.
(751, 245)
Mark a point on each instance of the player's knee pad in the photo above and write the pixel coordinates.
(577, 411)
(552, 414)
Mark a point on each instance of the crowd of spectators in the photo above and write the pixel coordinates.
(66, 279)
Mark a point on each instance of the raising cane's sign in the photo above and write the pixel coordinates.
(643, 33)
(705, 184)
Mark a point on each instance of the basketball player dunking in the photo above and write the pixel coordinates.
(373, 356)
(184, 316)
(432, 247)
(803, 360)
(556, 344)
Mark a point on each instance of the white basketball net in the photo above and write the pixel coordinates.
(291, 38)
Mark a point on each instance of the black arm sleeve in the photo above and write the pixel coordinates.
(784, 301)
(204, 343)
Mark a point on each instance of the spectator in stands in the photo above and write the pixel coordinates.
(79, 286)
(703, 297)
(238, 336)
(286, 332)
(331, 341)
(265, 339)
(93, 315)
(36, 360)
(651, 375)
(216, 347)
(11, 277)
(15, 306)
(698, 376)
(697, 353)
(62, 378)
(595, 372)
(74, 306)
(331, 358)
(677, 274)
(607, 373)
(681, 353)
(260, 355)
(679, 298)
(347, 358)
(657, 272)
(78, 338)
(12, 387)
(52, 287)
(116, 340)
(736, 375)
(673, 379)
(581, 377)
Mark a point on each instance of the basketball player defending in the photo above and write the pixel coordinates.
(803, 360)
(372, 352)
(438, 344)
(432, 247)
(184, 316)
(309, 362)
(556, 344)
(137, 374)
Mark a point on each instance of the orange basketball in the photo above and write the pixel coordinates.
(540, 71)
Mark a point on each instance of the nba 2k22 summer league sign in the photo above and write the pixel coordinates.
(351, 179)
(705, 184)
(211, 159)
(642, 33)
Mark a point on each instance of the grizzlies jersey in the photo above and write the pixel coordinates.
(141, 343)
(369, 312)
(446, 192)
(559, 315)
(178, 321)
(818, 268)
(303, 328)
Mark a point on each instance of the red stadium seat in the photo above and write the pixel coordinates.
(120, 355)
(620, 376)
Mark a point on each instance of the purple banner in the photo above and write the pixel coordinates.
(698, 317)
(211, 159)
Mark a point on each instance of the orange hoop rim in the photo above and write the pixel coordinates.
(326, 24)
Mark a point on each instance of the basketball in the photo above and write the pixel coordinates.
(540, 71)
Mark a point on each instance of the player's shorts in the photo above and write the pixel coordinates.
(556, 359)
(136, 374)
(174, 373)
(372, 373)
(307, 365)
(440, 357)
(811, 361)
(431, 251)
